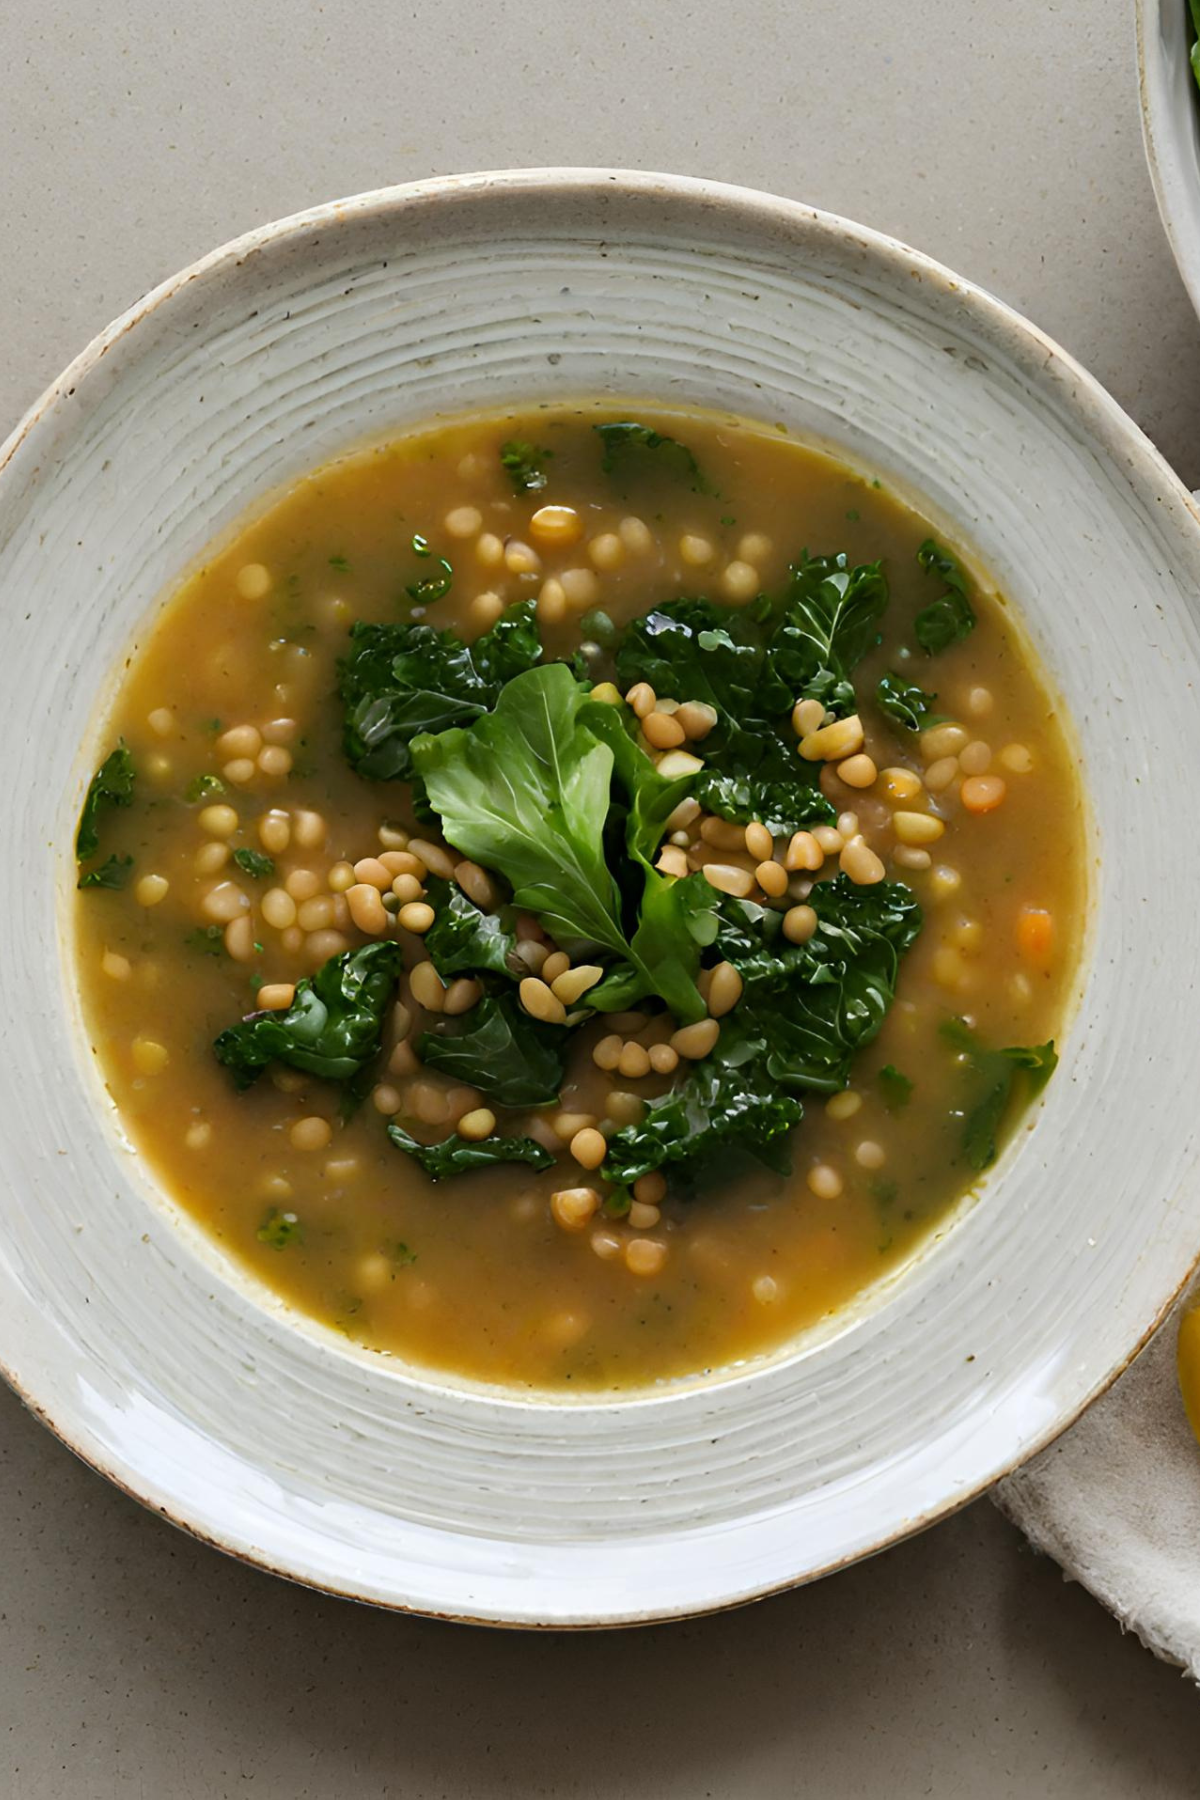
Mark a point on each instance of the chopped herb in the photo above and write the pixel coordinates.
(895, 1088)
(884, 1190)
(208, 939)
(401, 680)
(996, 1073)
(400, 1254)
(111, 785)
(114, 873)
(629, 447)
(432, 587)
(340, 563)
(951, 618)
(904, 703)
(254, 863)
(1195, 50)
(332, 1028)
(458, 1156)
(729, 519)
(203, 787)
(853, 515)
(524, 465)
(280, 1230)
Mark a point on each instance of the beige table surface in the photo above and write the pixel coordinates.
(1002, 138)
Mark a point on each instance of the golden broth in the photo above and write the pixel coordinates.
(474, 1275)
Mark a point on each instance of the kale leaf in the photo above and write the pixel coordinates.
(997, 1073)
(111, 785)
(951, 618)
(830, 621)
(333, 1027)
(114, 873)
(279, 1230)
(817, 1004)
(629, 447)
(523, 461)
(693, 650)
(525, 791)
(457, 1156)
(401, 680)
(497, 1047)
(904, 703)
(805, 1012)
(463, 939)
(721, 1104)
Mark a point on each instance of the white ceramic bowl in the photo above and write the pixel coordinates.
(1171, 128)
(179, 1378)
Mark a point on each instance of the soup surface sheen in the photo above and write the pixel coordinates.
(235, 680)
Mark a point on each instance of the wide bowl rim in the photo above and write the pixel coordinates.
(1095, 412)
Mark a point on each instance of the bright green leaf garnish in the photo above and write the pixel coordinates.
(525, 791)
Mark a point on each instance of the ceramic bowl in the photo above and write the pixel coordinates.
(1171, 128)
(179, 1378)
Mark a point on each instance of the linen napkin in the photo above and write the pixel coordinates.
(1116, 1502)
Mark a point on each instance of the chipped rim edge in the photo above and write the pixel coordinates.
(1104, 420)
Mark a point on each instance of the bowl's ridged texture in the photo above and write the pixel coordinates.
(169, 1370)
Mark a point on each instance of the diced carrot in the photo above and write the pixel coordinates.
(983, 793)
(1035, 936)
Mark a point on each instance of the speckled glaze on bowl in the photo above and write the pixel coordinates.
(1171, 128)
(180, 1378)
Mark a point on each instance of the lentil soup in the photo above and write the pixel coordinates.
(606, 985)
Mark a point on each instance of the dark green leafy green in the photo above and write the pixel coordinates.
(721, 1105)
(429, 588)
(525, 791)
(209, 940)
(333, 1027)
(114, 873)
(254, 863)
(951, 618)
(280, 1230)
(401, 680)
(830, 621)
(497, 1047)
(895, 1088)
(111, 785)
(524, 464)
(693, 650)
(995, 1073)
(904, 703)
(458, 1156)
(465, 940)
(805, 1012)
(817, 1004)
(630, 448)
(203, 787)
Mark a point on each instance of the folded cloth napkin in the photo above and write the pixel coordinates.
(1116, 1502)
